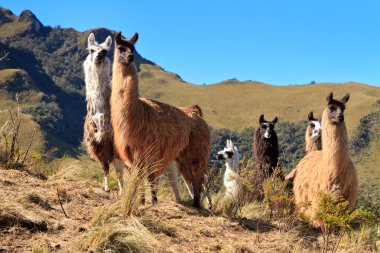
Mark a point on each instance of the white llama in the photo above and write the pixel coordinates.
(98, 134)
(232, 157)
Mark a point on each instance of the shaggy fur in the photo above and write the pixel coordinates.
(168, 132)
(266, 153)
(98, 134)
(265, 144)
(330, 170)
(231, 156)
(313, 135)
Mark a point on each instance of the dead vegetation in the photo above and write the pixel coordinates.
(31, 219)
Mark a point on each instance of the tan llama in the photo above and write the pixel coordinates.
(330, 170)
(139, 125)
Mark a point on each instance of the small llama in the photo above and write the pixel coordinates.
(98, 134)
(231, 155)
(313, 135)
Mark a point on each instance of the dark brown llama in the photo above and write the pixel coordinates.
(266, 153)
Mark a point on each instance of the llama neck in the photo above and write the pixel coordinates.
(97, 78)
(125, 80)
(230, 172)
(98, 92)
(335, 142)
(232, 165)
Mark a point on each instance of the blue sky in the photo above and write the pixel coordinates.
(276, 42)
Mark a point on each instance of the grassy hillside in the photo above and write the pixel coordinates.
(238, 105)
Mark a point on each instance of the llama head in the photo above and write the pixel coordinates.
(125, 48)
(315, 127)
(98, 51)
(230, 154)
(335, 108)
(266, 128)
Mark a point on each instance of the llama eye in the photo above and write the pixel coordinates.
(92, 51)
(121, 49)
(312, 125)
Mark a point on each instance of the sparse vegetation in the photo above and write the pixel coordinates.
(335, 218)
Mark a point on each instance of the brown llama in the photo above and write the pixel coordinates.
(330, 170)
(266, 153)
(98, 134)
(313, 135)
(313, 140)
(140, 124)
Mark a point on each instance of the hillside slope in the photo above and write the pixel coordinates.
(238, 105)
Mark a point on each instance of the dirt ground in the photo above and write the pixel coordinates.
(31, 217)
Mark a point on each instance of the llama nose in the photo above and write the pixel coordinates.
(130, 58)
(341, 118)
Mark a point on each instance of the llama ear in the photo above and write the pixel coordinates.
(108, 41)
(118, 38)
(345, 98)
(91, 39)
(135, 38)
(275, 120)
(310, 116)
(261, 119)
(329, 97)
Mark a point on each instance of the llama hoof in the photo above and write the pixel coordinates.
(154, 200)
(107, 190)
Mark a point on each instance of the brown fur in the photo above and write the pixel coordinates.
(330, 170)
(141, 124)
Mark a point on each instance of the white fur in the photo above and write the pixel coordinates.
(98, 79)
(106, 188)
(232, 169)
(317, 131)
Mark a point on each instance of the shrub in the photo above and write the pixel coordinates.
(334, 217)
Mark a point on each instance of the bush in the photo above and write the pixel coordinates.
(334, 217)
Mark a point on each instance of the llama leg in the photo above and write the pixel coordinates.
(106, 170)
(197, 187)
(197, 196)
(154, 184)
(173, 180)
(119, 171)
(206, 191)
(189, 187)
